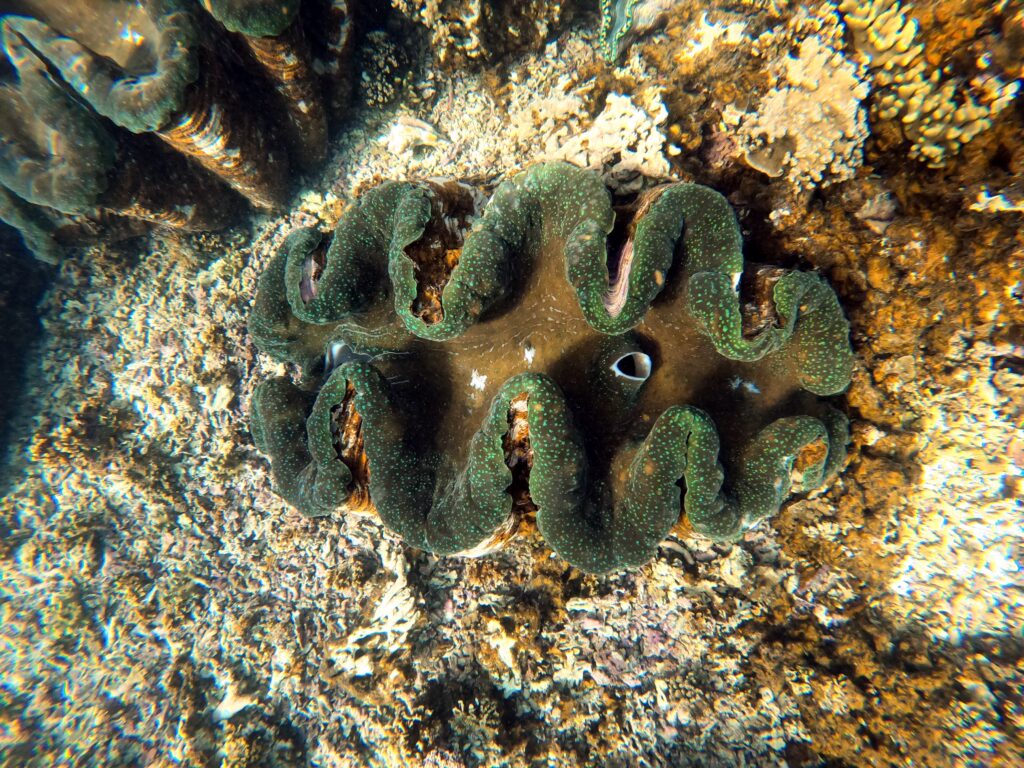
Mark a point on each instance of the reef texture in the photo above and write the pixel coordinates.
(555, 349)
(165, 69)
(939, 115)
(810, 127)
(816, 86)
(466, 32)
(161, 606)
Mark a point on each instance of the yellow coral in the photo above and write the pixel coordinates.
(939, 116)
(810, 126)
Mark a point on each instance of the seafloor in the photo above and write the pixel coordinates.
(160, 605)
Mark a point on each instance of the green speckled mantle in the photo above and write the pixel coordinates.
(521, 367)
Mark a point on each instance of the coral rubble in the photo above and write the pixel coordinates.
(574, 390)
(470, 31)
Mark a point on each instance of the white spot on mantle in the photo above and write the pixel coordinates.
(477, 380)
(737, 383)
(528, 354)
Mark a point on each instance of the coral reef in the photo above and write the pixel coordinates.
(164, 69)
(624, 141)
(938, 115)
(810, 127)
(472, 31)
(554, 380)
(383, 67)
(160, 605)
(740, 88)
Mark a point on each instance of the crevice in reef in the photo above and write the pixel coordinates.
(312, 271)
(757, 303)
(619, 246)
(437, 251)
(519, 455)
(347, 438)
(22, 283)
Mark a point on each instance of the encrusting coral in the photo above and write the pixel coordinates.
(166, 69)
(546, 351)
(810, 127)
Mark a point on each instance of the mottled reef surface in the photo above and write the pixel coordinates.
(160, 605)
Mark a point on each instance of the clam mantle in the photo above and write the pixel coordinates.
(605, 365)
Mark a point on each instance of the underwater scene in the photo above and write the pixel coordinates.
(541, 383)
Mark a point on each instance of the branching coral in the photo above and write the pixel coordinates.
(159, 68)
(938, 115)
(546, 351)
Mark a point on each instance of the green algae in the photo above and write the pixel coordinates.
(593, 357)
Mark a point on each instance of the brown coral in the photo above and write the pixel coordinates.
(938, 115)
